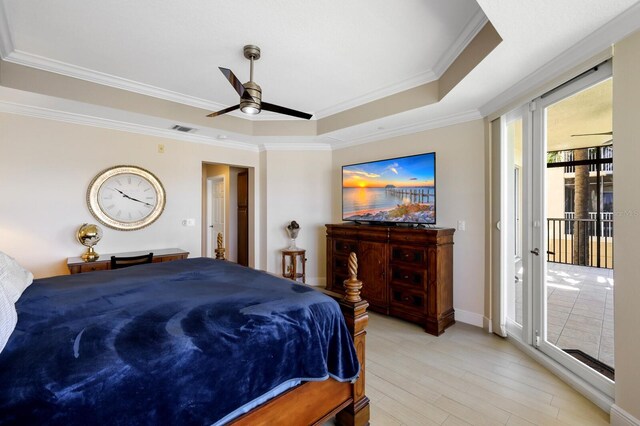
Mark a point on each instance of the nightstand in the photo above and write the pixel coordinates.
(291, 259)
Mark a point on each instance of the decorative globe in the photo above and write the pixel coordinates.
(88, 235)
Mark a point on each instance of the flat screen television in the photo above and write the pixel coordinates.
(398, 190)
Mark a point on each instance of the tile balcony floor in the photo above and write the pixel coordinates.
(579, 309)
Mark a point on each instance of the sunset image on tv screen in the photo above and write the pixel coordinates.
(395, 190)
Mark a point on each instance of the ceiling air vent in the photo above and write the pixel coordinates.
(183, 128)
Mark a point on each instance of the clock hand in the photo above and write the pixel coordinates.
(135, 199)
(123, 194)
(131, 198)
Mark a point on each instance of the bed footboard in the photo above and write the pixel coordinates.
(313, 403)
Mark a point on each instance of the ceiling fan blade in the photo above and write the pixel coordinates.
(223, 111)
(233, 80)
(595, 134)
(283, 110)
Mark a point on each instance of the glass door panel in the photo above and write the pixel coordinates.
(515, 175)
(572, 228)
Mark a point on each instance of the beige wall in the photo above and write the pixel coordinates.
(298, 188)
(626, 128)
(46, 166)
(460, 196)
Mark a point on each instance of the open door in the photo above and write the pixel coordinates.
(243, 217)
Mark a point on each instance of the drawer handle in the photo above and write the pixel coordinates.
(406, 255)
(406, 277)
(406, 298)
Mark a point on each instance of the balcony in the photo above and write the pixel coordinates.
(570, 240)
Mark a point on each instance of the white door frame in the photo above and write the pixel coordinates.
(211, 241)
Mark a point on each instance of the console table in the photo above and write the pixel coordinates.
(406, 272)
(76, 265)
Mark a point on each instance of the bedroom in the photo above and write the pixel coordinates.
(67, 142)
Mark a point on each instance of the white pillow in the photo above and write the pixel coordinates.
(8, 318)
(13, 277)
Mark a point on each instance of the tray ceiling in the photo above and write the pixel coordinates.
(324, 57)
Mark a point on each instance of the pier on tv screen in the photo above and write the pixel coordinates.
(401, 190)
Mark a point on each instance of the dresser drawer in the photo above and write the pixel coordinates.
(415, 278)
(90, 267)
(338, 283)
(415, 256)
(407, 299)
(344, 247)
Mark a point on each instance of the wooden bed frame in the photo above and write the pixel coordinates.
(313, 403)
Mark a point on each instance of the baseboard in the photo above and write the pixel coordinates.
(469, 318)
(316, 282)
(487, 325)
(620, 417)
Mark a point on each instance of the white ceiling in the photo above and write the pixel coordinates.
(316, 56)
(321, 57)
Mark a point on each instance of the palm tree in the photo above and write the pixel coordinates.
(581, 209)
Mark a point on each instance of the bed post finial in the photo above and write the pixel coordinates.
(353, 284)
(220, 250)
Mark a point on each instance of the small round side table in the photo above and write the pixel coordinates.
(290, 260)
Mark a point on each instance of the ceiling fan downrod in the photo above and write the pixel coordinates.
(251, 106)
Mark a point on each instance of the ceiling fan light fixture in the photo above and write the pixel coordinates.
(251, 93)
(251, 110)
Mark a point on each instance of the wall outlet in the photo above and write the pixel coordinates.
(188, 222)
(160, 148)
(462, 225)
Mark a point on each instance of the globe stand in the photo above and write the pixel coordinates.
(90, 255)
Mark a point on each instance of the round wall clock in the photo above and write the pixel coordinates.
(126, 197)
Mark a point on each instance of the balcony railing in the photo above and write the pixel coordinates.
(605, 152)
(587, 242)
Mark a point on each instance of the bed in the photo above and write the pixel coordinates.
(195, 341)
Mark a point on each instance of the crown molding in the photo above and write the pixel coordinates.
(58, 67)
(69, 117)
(409, 83)
(470, 31)
(303, 146)
(410, 129)
(599, 40)
(473, 27)
(6, 41)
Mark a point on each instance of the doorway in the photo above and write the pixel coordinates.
(558, 260)
(226, 209)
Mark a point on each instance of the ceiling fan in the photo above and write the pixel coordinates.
(609, 133)
(251, 94)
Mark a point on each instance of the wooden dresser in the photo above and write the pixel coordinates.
(76, 265)
(406, 272)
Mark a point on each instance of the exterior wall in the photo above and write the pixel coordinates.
(460, 189)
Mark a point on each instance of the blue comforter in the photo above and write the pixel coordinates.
(183, 342)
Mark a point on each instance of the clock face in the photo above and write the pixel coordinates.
(126, 197)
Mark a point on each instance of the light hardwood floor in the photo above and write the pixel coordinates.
(465, 376)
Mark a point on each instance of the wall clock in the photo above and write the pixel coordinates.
(126, 197)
